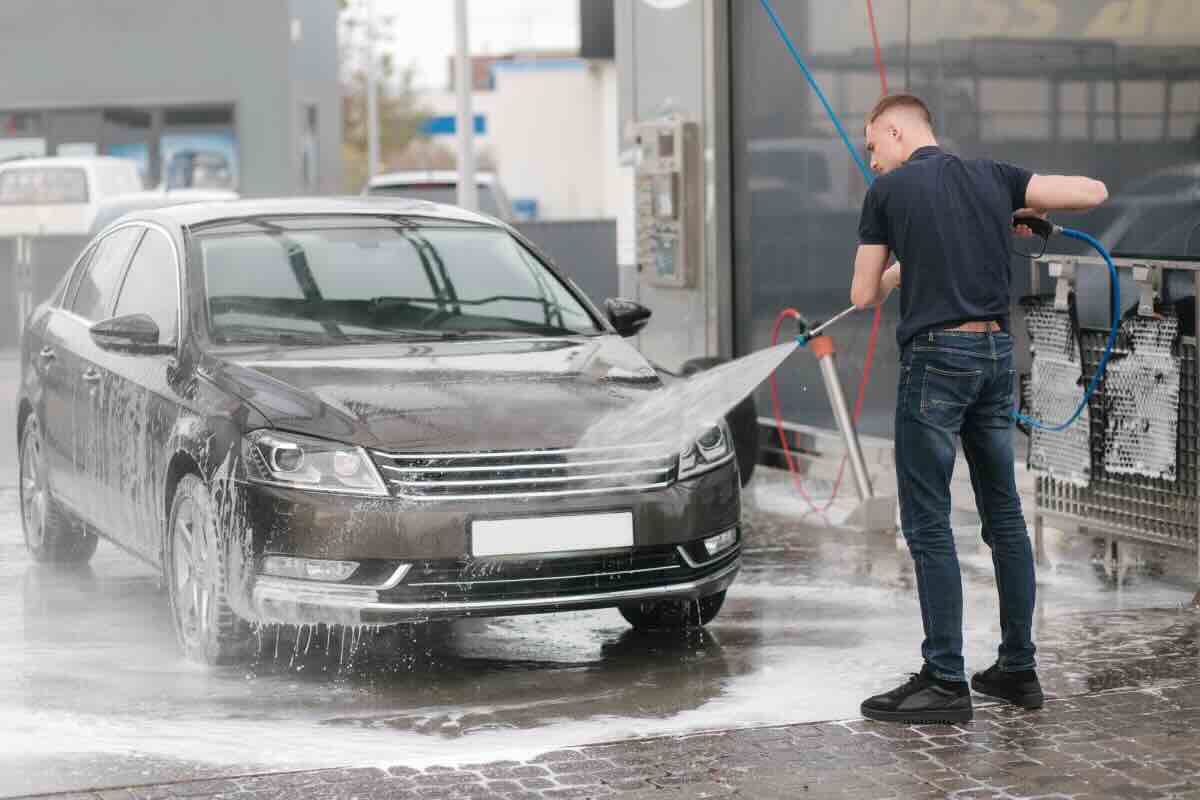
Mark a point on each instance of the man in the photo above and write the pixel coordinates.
(948, 221)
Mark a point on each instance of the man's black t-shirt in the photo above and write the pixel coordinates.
(949, 223)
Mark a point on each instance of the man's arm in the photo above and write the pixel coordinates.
(1064, 193)
(866, 289)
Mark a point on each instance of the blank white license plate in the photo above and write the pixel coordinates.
(562, 534)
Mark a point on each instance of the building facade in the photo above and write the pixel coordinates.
(549, 125)
(247, 90)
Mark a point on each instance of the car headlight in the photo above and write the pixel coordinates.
(713, 448)
(303, 462)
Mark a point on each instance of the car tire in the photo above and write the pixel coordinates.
(742, 420)
(673, 615)
(51, 536)
(197, 565)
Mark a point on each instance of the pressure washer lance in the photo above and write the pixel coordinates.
(805, 332)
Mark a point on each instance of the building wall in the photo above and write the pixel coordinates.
(60, 54)
(551, 127)
(314, 70)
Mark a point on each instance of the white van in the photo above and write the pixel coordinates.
(49, 196)
(441, 186)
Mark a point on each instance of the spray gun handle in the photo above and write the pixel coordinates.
(1041, 227)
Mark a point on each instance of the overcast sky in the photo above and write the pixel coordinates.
(424, 30)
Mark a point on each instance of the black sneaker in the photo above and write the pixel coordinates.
(923, 699)
(1020, 688)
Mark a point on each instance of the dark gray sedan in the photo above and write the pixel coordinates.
(358, 412)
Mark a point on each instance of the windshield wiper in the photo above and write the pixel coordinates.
(243, 336)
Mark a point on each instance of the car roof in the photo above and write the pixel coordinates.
(67, 161)
(193, 215)
(427, 176)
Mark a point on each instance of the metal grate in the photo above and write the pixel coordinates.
(1054, 394)
(1142, 412)
(1135, 506)
(520, 474)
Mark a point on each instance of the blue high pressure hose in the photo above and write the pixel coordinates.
(1068, 232)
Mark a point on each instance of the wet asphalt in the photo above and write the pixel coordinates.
(94, 694)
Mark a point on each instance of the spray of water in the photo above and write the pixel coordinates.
(687, 408)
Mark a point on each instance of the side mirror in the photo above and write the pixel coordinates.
(626, 316)
(133, 333)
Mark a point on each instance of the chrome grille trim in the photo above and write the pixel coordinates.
(466, 454)
(564, 577)
(543, 479)
(548, 465)
(495, 475)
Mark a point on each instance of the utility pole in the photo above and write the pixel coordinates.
(372, 96)
(468, 194)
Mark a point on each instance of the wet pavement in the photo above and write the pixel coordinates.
(94, 696)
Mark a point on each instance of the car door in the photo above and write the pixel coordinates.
(92, 302)
(142, 401)
(57, 368)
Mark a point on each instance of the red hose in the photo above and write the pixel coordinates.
(878, 53)
(872, 340)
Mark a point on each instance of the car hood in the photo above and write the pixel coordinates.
(490, 394)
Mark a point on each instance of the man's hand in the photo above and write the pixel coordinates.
(891, 280)
(1024, 230)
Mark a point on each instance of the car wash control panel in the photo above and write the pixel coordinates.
(669, 192)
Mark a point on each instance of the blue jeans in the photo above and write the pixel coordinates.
(956, 383)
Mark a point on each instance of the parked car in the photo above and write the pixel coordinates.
(60, 196)
(441, 186)
(358, 412)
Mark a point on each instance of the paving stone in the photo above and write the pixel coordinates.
(1132, 744)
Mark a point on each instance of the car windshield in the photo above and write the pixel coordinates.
(304, 284)
(444, 193)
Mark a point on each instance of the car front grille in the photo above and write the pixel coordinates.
(490, 475)
(524, 578)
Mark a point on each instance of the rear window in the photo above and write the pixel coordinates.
(401, 281)
(38, 186)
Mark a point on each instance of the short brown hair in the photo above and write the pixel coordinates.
(902, 100)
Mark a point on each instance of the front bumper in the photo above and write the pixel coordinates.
(299, 602)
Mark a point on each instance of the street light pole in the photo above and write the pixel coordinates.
(468, 194)
(372, 96)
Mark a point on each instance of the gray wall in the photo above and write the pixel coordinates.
(672, 60)
(314, 80)
(586, 250)
(70, 54)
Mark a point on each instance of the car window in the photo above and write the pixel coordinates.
(382, 281)
(94, 295)
(70, 281)
(152, 286)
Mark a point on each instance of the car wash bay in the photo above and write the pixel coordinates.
(94, 694)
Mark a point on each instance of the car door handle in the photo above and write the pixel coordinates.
(91, 375)
(47, 355)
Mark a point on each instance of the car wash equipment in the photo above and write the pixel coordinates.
(1046, 229)
(872, 513)
(805, 333)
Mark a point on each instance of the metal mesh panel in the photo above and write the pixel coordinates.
(1054, 395)
(1135, 506)
(1142, 412)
